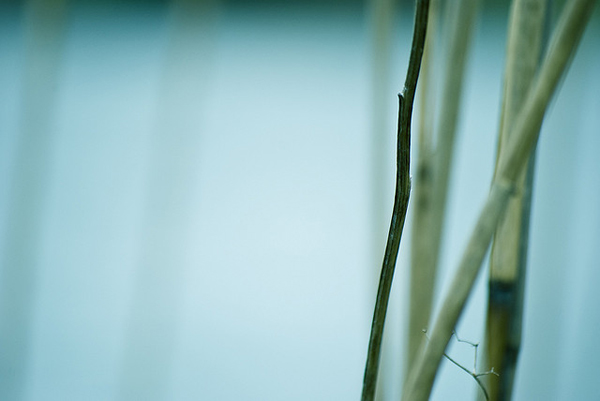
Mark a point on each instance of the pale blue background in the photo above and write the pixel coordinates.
(237, 173)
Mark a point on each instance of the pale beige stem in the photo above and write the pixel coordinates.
(521, 142)
(422, 280)
(509, 249)
(460, 17)
(382, 14)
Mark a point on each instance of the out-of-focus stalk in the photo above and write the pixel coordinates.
(509, 248)
(154, 312)
(382, 14)
(522, 140)
(431, 204)
(381, 17)
(422, 279)
(44, 26)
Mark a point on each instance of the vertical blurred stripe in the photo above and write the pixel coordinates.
(508, 255)
(151, 334)
(381, 25)
(44, 25)
(381, 18)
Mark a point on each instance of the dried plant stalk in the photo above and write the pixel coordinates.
(522, 140)
(382, 14)
(406, 100)
(429, 213)
(509, 249)
(422, 263)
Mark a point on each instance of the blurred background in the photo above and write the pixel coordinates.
(194, 199)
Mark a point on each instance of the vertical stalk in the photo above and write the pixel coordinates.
(382, 13)
(406, 100)
(154, 312)
(523, 137)
(509, 249)
(422, 266)
(44, 26)
(460, 18)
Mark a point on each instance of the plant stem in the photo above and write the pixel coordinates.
(429, 216)
(45, 25)
(382, 15)
(402, 193)
(381, 21)
(524, 136)
(509, 249)
(422, 265)
(154, 311)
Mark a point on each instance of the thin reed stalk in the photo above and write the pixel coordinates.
(460, 18)
(422, 265)
(509, 248)
(153, 319)
(44, 30)
(523, 137)
(381, 20)
(402, 194)
(382, 15)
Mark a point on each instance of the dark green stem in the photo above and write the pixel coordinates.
(402, 193)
